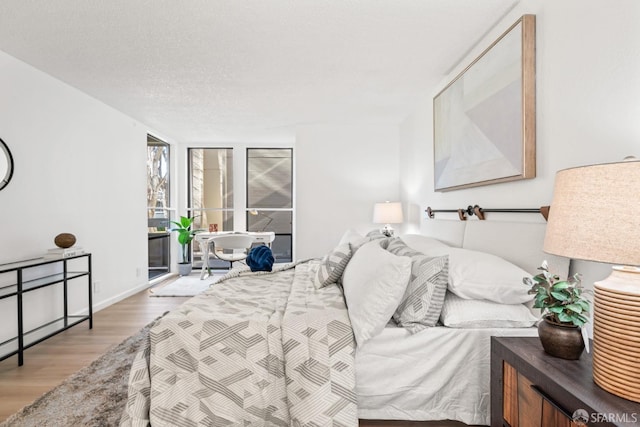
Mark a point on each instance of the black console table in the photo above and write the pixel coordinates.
(34, 274)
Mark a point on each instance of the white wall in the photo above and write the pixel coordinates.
(588, 106)
(341, 171)
(79, 168)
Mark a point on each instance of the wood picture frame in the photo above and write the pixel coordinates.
(484, 121)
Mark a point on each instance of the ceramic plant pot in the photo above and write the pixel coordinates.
(184, 269)
(561, 340)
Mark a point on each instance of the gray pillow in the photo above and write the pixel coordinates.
(398, 247)
(423, 298)
(332, 266)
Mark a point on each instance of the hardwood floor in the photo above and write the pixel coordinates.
(47, 364)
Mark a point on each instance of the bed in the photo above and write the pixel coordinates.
(444, 372)
(328, 341)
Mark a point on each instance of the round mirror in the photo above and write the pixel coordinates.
(6, 165)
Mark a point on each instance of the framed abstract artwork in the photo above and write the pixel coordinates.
(484, 121)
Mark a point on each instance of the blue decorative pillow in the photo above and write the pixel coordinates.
(260, 258)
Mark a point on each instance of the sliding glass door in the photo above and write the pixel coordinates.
(270, 197)
(210, 194)
(238, 189)
(158, 211)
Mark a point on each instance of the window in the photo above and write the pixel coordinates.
(158, 185)
(210, 192)
(217, 200)
(270, 196)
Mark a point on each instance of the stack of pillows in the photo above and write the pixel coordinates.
(419, 281)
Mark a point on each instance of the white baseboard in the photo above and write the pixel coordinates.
(162, 278)
(116, 298)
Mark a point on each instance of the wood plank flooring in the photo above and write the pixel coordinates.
(47, 364)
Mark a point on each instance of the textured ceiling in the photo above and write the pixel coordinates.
(248, 70)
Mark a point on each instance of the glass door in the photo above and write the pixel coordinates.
(210, 200)
(158, 213)
(270, 197)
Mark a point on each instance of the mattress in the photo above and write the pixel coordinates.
(439, 373)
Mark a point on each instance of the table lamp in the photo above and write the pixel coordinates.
(387, 213)
(595, 216)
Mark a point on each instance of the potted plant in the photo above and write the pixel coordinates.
(565, 310)
(185, 236)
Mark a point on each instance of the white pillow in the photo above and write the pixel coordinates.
(374, 283)
(350, 236)
(427, 245)
(479, 275)
(356, 240)
(467, 313)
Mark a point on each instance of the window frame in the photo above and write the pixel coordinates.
(240, 165)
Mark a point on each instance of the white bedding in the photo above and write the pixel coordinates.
(439, 373)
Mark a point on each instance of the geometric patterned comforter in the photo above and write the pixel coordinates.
(259, 349)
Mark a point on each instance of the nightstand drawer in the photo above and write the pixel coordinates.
(526, 405)
(531, 388)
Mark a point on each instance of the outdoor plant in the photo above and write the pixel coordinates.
(185, 235)
(561, 301)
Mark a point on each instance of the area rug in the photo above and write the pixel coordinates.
(95, 396)
(185, 286)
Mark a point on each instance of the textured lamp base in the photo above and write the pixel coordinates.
(616, 333)
(387, 230)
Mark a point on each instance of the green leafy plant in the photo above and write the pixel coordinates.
(561, 301)
(185, 235)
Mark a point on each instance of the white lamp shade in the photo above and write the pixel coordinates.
(595, 214)
(388, 213)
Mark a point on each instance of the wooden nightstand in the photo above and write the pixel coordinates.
(531, 388)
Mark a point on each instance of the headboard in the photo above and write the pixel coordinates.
(518, 242)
